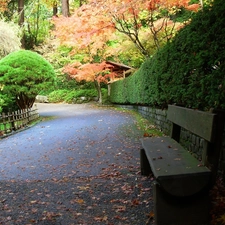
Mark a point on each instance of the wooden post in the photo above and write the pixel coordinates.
(175, 132)
(214, 149)
(145, 166)
(4, 122)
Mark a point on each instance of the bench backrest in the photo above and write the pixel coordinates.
(198, 122)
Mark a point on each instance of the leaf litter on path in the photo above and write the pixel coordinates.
(89, 177)
(116, 199)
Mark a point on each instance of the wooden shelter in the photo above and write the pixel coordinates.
(121, 71)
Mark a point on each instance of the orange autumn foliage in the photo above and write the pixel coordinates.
(99, 72)
(91, 25)
(87, 28)
(3, 5)
(95, 72)
(193, 7)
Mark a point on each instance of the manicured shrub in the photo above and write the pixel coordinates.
(23, 75)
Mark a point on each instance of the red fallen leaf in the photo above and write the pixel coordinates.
(99, 219)
(151, 215)
(169, 146)
(79, 201)
(200, 165)
(147, 135)
(135, 202)
(120, 218)
(117, 217)
(34, 210)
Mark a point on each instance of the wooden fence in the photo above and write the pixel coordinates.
(13, 121)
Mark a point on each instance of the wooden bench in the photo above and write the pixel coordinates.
(182, 183)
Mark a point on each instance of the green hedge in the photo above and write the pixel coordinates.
(189, 70)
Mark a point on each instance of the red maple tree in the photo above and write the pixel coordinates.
(95, 72)
(87, 29)
(91, 25)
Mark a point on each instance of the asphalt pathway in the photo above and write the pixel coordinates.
(80, 166)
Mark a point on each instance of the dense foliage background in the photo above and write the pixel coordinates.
(189, 70)
(77, 34)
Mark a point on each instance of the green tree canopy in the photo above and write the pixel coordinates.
(23, 74)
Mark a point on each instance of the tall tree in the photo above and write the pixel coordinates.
(159, 16)
(55, 8)
(21, 12)
(21, 18)
(89, 23)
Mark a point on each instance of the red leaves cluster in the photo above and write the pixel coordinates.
(100, 72)
(87, 29)
(155, 4)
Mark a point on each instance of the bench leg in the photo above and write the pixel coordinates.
(145, 166)
(170, 210)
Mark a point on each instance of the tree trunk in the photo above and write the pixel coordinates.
(55, 8)
(65, 8)
(21, 12)
(21, 18)
(24, 102)
(98, 87)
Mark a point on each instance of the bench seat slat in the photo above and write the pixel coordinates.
(176, 170)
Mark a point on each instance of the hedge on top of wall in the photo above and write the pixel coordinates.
(189, 70)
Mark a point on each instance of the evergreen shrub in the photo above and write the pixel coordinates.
(69, 96)
(23, 75)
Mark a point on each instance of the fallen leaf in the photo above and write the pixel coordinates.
(33, 202)
(151, 215)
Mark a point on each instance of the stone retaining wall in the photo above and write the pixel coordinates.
(190, 141)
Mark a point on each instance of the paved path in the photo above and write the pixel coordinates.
(81, 167)
(80, 141)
